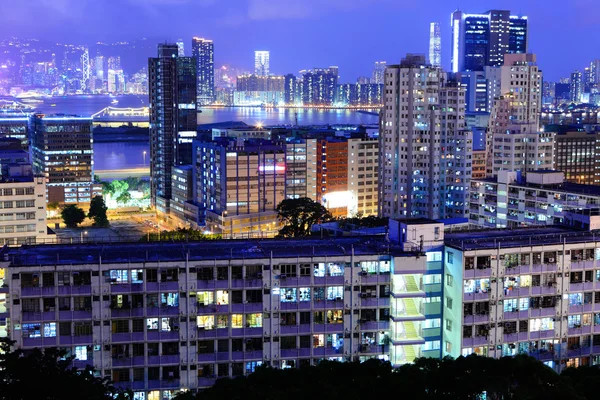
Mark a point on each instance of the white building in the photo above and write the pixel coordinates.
(23, 203)
(363, 176)
(261, 63)
(414, 124)
(542, 198)
(435, 44)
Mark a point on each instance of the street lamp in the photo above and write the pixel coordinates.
(144, 155)
(81, 235)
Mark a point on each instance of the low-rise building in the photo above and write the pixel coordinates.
(541, 198)
(156, 318)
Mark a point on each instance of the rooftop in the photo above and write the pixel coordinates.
(197, 251)
(511, 238)
(566, 187)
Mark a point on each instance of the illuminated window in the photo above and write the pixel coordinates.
(206, 322)
(205, 298)
(318, 341)
(81, 353)
(50, 329)
(31, 331)
(237, 321)
(254, 320)
(152, 324)
(222, 297)
(222, 321)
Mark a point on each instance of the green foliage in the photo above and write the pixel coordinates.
(120, 186)
(179, 235)
(299, 215)
(48, 375)
(53, 205)
(97, 212)
(466, 378)
(108, 188)
(72, 216)
(124, 198)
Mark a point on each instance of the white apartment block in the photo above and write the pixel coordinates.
(414, 123)
(363, 176)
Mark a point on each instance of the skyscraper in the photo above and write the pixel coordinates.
(576, 87)
(425, 149)
(85, 68)
(435, 45)
(261, 63)
(172, 84)
(480, 40)
(180, 48)
(378, 72)
(203, 51)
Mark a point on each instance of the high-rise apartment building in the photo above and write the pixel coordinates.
(62, 152)
(480, 40)
(173, 121)
(203, 51)
(363, 172)
(319, 86)
(435, 44)
(378, 73)
(576, 87)
(261, 62)
(421, 113)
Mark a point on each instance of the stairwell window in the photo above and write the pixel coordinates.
(449, 280)
(450, 257)
(449, 325)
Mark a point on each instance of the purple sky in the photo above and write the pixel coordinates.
(306, 33)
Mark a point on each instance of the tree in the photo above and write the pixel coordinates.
(54, 205)
(97, 212)
(299, 215)
(108, 188)
(37, 375)
(120, 187)
(124, 198)
(72, 215)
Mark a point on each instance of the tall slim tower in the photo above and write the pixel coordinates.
(435, 44)
(378, 72)
(85, 69)
(203, 51)
(576, 87)
(425, 149)
(180, 48)
(261, 63)
(172, 91)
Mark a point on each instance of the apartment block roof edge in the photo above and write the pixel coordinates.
(217, 250)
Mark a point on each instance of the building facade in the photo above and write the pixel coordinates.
(172, 81)
(261, 62)
(435, 44)
(530, 292)
(239, 185)
(62, 152)
(480, 40)
(154, 319)
(421, 111)
(203, 51)
(541, 198)
(576, 154)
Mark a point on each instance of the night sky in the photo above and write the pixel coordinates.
(306, 33)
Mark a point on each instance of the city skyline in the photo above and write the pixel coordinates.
(277, 25)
